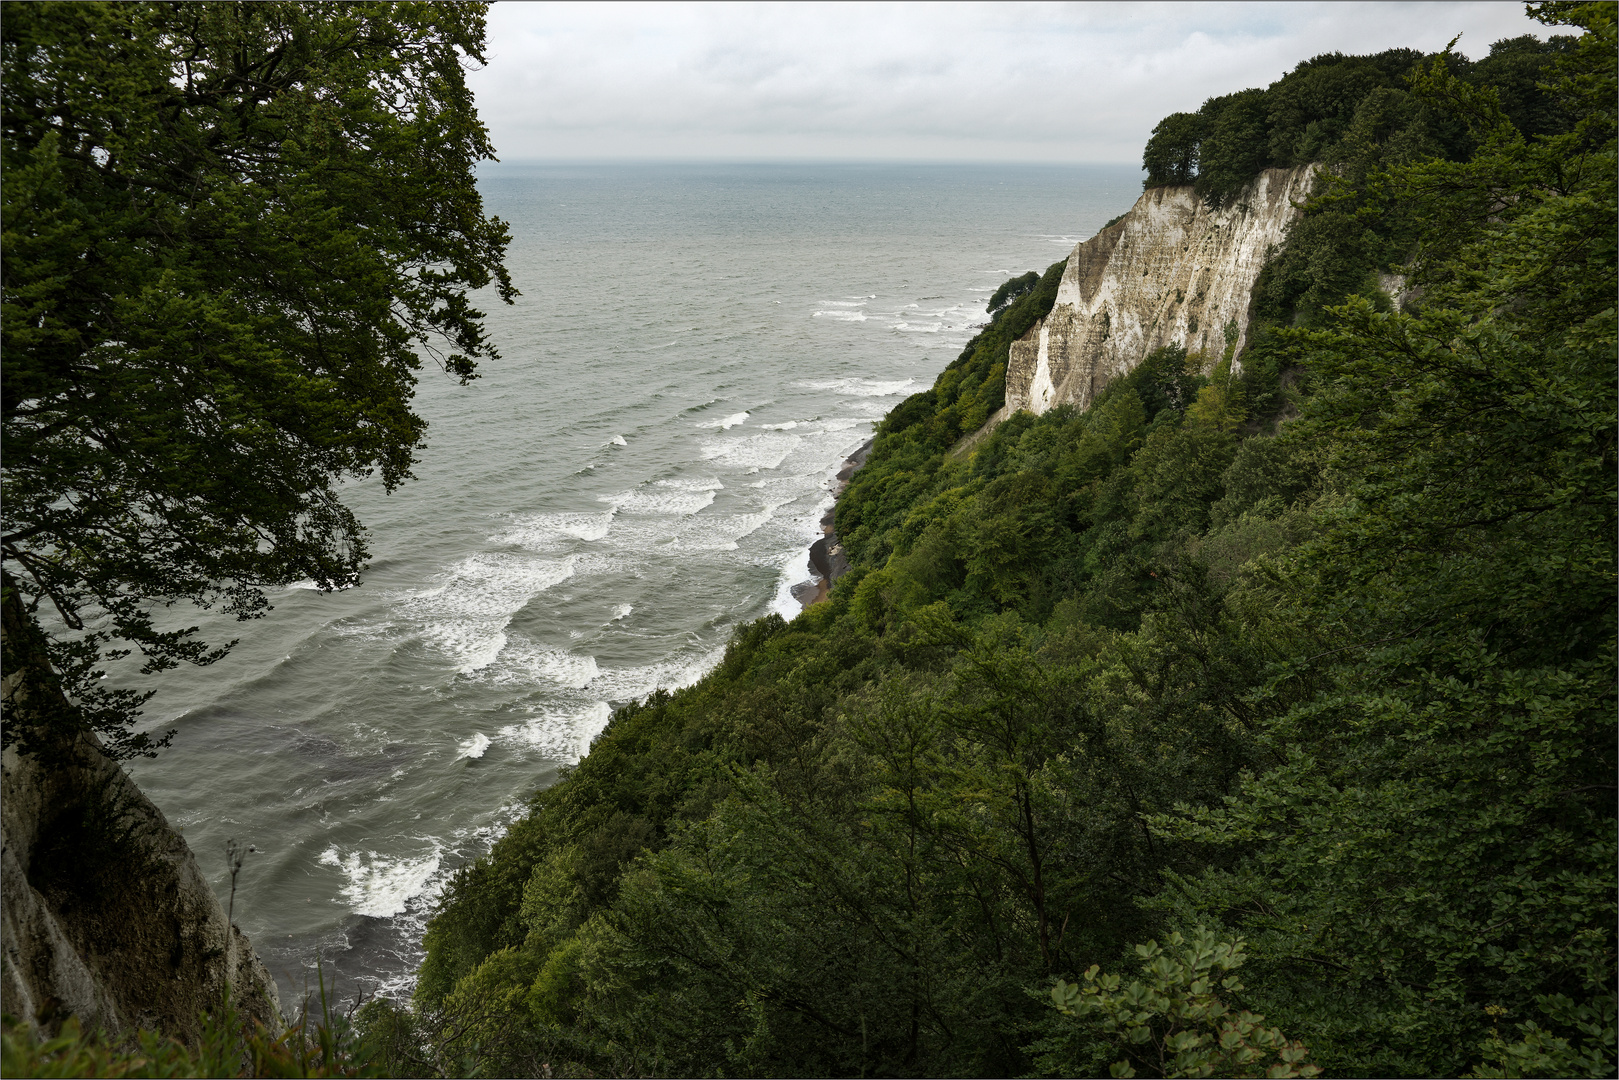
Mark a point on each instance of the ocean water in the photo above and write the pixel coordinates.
(696, 350)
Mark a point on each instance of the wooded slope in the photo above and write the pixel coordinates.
(1317, 657)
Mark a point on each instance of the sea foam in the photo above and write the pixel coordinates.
(762, 451)
(543, 532)
(522, 662)
(665, 497)
(473, 747)
(727, 423)
(864, 387)
(381, 885)
(562, 735)
(466, 616)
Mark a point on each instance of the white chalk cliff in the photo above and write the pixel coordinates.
(1172, 271)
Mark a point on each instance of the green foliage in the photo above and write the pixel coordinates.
(1171, 156)
(1011, 290)
(230, 232)
(1588, 1050)
(1317, 655)
(226, 1046)
(911, 453)
(1235, 145)
(1449, 796)
(1177, 1021)
(1326, 109)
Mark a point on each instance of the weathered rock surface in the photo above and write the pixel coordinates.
(104, 913)
(1172, 271)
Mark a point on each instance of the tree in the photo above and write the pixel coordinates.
(1174, 1022)
(1004, 296)
(1440, 840)
(231, 230)
(1171, 154)
(1234, 147)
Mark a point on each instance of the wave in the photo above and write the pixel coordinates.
(863, 387)
(726, 424)
(541, 532)
(641, 538)
(466, 616)
(841, 316)
(522, 662)
(674, 497)
(874, 410)
(491, 584)
(382, 885)
(794, 569)
(473, 747)
(724, 532)
(561, 735)
(635, 683)
(764, 451)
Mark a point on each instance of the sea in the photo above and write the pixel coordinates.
(696, 350)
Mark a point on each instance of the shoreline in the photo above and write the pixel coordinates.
(826, 559)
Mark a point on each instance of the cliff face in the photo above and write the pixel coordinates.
(104, 913)
(1172, 271)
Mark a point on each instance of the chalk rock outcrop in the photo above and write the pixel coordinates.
(1172, 271)
(104, 913)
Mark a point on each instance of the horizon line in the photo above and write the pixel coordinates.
(730, 159)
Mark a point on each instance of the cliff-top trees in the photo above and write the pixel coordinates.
(1310, 115)
(230, 232)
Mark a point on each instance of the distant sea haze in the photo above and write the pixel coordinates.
(696, 350)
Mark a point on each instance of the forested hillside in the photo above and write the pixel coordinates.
(1260, 717)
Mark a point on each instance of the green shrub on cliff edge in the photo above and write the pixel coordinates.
(1344, 694)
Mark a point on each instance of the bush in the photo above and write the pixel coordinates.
(228, 1046)
(1178, 1021)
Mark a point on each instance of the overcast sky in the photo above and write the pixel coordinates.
(963, 82)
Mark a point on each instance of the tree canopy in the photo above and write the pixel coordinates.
(1311, 114)
(1298, 662)
(232, 234)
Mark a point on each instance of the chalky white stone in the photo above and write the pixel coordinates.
(1171, 271)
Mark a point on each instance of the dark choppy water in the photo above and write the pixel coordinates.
(695, 351)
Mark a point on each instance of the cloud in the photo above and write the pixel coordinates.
(970, 82)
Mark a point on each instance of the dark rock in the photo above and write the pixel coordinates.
(104, 913)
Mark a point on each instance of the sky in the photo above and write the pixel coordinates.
(1038, 83)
